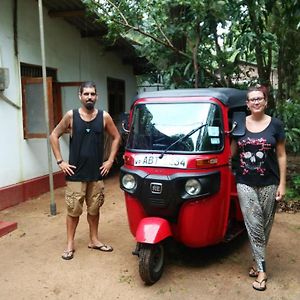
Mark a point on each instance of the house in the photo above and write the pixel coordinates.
(248, 72)
(75, 51)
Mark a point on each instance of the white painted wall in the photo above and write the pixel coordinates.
(75, 58)
(10, 130)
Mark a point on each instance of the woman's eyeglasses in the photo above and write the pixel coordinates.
(258, 99)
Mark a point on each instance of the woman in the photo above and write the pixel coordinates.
(260, 177)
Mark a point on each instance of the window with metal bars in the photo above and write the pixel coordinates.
(28, 70)
(33, 106)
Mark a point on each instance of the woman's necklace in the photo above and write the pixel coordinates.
(258, 125)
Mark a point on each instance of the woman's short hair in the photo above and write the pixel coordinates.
(259, 88)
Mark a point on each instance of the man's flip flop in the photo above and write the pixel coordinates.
(104, 248)
(68, 254)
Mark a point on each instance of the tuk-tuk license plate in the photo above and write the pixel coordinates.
(171, 161)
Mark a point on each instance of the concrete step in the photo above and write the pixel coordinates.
(7, 227)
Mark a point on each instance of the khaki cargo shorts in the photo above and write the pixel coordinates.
(78, 192)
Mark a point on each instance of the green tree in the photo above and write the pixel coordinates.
(287, 14)
(266, 32)
(179, 37)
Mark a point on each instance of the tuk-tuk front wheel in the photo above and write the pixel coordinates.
(151, 262)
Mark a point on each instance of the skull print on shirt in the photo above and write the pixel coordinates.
(253, 154)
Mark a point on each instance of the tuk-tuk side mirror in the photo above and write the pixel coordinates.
(238, 123)
(125, 122)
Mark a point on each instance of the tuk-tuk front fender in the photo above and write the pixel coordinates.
(152, 230)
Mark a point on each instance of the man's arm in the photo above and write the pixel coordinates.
(64, 126)
(112, 130)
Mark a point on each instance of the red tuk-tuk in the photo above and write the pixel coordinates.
(177, 174)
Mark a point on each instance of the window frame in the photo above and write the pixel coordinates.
(36, 80)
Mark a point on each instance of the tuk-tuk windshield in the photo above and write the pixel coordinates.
(155, 126)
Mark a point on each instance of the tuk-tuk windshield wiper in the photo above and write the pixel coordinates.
(181, 139)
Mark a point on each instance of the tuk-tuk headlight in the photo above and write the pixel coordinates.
(128, 182)
(193, 187)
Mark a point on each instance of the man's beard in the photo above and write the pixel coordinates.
(89, 105)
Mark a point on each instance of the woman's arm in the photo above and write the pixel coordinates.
(281, 157)
(233, 147)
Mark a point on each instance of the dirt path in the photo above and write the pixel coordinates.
(31, 267)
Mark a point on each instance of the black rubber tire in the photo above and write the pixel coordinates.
(151, 262)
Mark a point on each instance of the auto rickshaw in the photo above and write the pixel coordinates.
(177, 174)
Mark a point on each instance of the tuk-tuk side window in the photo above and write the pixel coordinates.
(156, 126)
(211, 138)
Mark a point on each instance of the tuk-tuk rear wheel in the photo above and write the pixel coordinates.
(151, 262)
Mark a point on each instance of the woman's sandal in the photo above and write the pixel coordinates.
(262, 285)
(253, 272)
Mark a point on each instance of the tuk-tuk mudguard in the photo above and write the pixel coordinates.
(152, 230)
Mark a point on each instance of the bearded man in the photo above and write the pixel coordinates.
(85, 168)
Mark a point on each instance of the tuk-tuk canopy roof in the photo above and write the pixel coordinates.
(230, 97)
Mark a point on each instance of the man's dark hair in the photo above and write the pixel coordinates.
(87, 84)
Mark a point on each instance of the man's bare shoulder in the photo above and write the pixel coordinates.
(68, 116)
(66, 122)
(107, 119)
(69, 113)
(106, 116)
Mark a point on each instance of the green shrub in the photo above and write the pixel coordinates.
(293, 190)
(289, 113)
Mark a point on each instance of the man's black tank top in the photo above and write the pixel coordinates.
(86, 148)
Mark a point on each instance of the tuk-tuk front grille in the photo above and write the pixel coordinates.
(158, 202)
(163, 196)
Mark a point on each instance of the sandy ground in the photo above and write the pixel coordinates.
(31, 266)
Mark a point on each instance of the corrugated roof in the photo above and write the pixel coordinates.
(75, 13)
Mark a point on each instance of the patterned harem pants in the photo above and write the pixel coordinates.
(258, 206)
